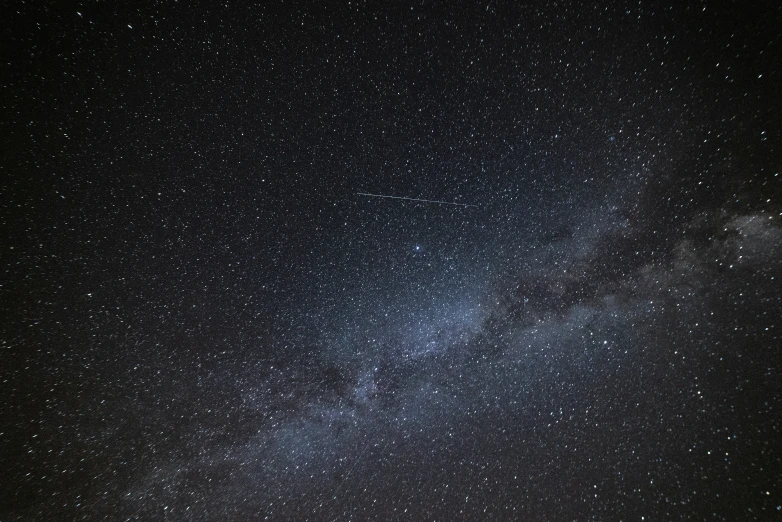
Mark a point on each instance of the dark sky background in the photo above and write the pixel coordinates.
(201, 319)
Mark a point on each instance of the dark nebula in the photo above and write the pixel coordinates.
(203, 319)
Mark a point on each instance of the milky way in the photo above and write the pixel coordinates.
(205, 317)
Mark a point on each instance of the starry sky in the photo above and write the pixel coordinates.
(204, 317)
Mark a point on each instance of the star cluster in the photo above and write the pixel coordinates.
(206, 318)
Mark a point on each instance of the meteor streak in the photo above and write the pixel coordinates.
(417, 199)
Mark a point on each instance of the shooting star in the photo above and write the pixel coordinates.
(417, 199)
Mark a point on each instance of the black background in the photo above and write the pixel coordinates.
(203, 320)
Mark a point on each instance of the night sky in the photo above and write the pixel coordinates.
(202, 319)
